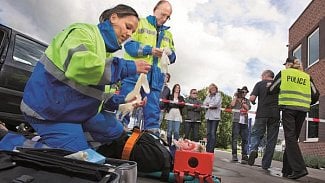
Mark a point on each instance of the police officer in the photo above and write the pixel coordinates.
(296, 93)
(148, 43)
(63, 95)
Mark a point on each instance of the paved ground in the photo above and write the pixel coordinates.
(238, 173)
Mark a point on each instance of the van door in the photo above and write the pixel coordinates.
(22, 55)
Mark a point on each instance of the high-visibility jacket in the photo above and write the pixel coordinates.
(68, 82)
(146, 38)
(295, 88)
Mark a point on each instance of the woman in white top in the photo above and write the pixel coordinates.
(212, 116)
(174, 115)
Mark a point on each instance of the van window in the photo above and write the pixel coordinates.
(27, 51)
(2, 34)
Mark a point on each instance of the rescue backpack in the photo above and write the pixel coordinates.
(149, 151)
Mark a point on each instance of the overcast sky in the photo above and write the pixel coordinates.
(227, 42)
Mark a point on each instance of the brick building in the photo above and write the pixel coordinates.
(307, 42)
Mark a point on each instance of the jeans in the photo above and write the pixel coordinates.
(212, 126)
(194, 128)
(242, 130)
(173, 128)
(271, 125)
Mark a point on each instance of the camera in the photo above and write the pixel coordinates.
(239, 93)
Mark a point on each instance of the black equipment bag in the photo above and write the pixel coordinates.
(149, 152)
(23, 167)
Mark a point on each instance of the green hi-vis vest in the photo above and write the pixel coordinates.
(295, 88)
(146, 34)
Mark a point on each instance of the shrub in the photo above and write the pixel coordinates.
(311, 161)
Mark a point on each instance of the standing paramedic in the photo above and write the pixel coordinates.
(64, 93)
(148, 43)
(266, 120)
(296, 93)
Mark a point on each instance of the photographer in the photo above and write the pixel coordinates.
(239, 125)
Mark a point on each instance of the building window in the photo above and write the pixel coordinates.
(312, 126)
(27, 51)
(313, 47)
(297, 52)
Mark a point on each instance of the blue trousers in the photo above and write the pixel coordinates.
(262, 125)
(73, 136)
(151, 111)
(212, 126)
(173, 128)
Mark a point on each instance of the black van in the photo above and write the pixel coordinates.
(19, 54)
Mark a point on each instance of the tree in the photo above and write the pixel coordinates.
(224, 128)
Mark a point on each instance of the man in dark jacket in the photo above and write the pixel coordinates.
(192, 116)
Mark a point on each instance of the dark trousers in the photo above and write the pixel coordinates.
(194, 128)
(292, 121)
(242, 130)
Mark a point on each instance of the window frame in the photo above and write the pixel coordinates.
(295, 50)
(308, 47)
(316, 139)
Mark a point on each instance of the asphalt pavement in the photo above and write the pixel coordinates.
(230, 172)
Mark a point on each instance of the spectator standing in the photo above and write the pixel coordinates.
(240, 123)
(192, 116)
(174, 115)
(151, 39)
(296, 93)
(267, 119)
(164, 96)
(213, 102)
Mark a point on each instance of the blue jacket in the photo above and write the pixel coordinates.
(52, 94)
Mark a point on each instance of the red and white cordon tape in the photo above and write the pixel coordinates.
(206, 107)
(315, 120)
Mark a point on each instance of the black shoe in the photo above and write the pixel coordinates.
(244, 159)
(234, 157)
(297, 175)
(251, 160)
(285, 175)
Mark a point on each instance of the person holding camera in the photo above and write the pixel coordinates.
(266, 120)
(240, 121)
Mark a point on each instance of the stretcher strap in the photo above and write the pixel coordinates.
(132, 140)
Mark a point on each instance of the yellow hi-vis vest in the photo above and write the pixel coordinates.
(146, 33)
(295, 88)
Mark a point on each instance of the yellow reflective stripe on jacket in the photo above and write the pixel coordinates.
(295, 88)
(59, 75)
